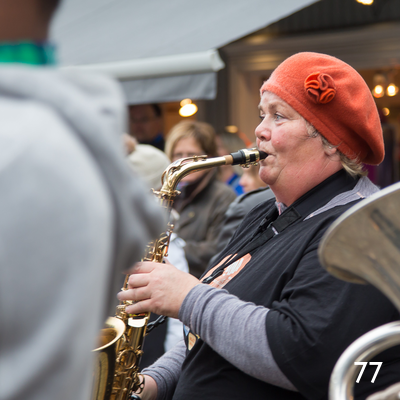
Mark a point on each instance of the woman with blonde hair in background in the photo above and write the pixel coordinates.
(204, 199)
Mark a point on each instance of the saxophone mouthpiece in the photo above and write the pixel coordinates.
(247, 156)
(263, 154)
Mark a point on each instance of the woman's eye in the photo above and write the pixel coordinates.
(262, 117)
(278, 117)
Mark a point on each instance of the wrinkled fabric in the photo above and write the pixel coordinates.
(73, 218)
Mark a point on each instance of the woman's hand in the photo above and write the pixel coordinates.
(159, 288)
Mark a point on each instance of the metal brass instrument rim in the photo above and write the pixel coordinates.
(363, 246)
(363, 349)
(354, 232)
(117, 326)
(338, 223)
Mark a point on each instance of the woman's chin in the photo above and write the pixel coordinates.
(265, 175)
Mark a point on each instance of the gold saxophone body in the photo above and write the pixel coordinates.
(116, 370)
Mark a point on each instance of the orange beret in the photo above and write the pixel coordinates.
(335, 99)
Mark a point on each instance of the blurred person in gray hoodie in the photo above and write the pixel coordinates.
(72, 216)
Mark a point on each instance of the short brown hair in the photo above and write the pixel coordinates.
(202, 132)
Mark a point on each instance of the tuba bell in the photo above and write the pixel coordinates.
(363, 246)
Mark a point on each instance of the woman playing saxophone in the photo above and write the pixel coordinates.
(266, 320)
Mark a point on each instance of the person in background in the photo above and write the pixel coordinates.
(255, 192)
(266, 321)
(150, 163)
(147, 161)
(250, 179)
(235, 214)
(129, 143)
(72, 216)
(228, 143)
(145, 124)
(387, 172)
(204, 199)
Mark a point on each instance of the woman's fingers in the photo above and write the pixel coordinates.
(138, 280)
(143, 267)
(136, 295)
(156, 287)
(138, 308)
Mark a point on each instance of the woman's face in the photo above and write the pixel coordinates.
(293, 156)
(188, 147)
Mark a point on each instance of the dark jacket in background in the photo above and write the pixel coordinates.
(235, 213)
(201, 216)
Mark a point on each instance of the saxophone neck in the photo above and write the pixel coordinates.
(186, 166)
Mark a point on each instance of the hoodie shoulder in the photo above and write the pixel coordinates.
(87, 101)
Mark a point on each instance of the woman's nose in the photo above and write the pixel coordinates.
(263, 131)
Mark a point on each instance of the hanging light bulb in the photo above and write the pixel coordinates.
(392, 90)
(365, 2)
(378, 91)
(187, 108)
(232, 129)
(380, 82)
(385, 111)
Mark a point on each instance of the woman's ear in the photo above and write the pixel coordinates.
(330, 150)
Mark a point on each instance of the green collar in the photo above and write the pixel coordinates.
(32, 53)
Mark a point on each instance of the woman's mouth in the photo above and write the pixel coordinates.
(264, 161)
(263, 154)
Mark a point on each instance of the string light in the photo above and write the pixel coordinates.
(187, 108)
(385, 111)
(384, 84)
(378, 91)
(232, 129)
(365, 2)
(392, 90)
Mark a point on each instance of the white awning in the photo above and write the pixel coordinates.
(161, 50)
(156, 67)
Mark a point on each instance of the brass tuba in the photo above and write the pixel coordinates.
(116, 372)
(363, 246)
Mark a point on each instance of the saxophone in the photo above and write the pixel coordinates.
(116, 371)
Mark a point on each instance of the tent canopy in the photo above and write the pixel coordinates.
(160, 50)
